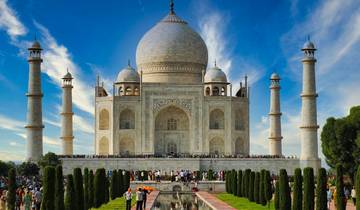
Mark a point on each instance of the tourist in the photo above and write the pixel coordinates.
(329, 198)
(128, 196)
(27, 200)
(37, 198)
(144, 196)
(353, 195)
(139, 199)
(3, 200)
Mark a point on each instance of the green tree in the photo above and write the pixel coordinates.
(252, 184)
(48, 198)
(257, 187)
(340, 197)
(239, 182)
(79, 188)
(234, 182)
(309, 189)
(321, 194)
(210, 175)
(262, 195)
(4, 168)
(268, 187)
(246, 183)
(28, 169)
(297, 190)
(121, 183)
(340, 141)
(11, 189)
(107, 193)
(114, 185)
(357, 188)
(127, 180)
(59, 189)
(86, 189)
(99, 187)
(243, 184)
(91, 189)
(70, 196)
(277, 196)
(49, 159)
(284, 191)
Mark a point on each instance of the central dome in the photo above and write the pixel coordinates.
(171, 52)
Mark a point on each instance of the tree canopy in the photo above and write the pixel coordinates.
(49, 159)
(340, 140)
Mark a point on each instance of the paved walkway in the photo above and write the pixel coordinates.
(213, 201)
(149, 201)
(349, 206)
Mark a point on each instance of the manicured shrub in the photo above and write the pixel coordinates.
(309, 189)
(91, 189)
(284, 191)
(268, 187)
(11, 198)
(48, 197)
(59, 189)
(277, 196)
(70, 196)
(340, 197)
(114, 185)
(107, 187)
(127, 180)
(297, 190)
(99, 187)
(257, 187)
(262, 195)
(243, 184)
(357, 188)
(234, 182)
(247, 181)
(121, 183)
(86, 188)
(79, 188)
(251, 183)
(239, 182)
(321, 194)
(210, 175)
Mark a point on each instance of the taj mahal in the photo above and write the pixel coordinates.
(170, 103)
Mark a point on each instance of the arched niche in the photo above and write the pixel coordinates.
(216, 120)
(104, 119)
(127, 119)
(127, 146)
(104, 146)
(216, 146)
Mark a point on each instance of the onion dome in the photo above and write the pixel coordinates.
(68, 75)
(275, 76)
(128, 74)
(215, 74)
(308, 45)
(35, 46)
(171, 52)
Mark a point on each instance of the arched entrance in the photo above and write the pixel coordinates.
(216, 146)
(171, 131)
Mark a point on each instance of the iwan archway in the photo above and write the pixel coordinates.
(171, 131)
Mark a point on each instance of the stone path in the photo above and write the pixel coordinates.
(349, 206)
(213, 201)
(149, 201)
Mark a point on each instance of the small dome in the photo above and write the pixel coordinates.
(308, 45)
(275, 76)
(35, 45)
(128, 74)
(68, 75)
(215, 74)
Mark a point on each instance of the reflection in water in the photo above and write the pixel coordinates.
(179, 201)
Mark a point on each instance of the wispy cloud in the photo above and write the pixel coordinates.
(11, 124)
(56, 61)
(10, 22)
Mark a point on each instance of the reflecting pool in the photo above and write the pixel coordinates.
(179, 201)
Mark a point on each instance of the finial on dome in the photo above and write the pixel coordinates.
(172, 7)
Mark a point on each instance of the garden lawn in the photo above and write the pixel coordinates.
(242, 203)
(117, 204)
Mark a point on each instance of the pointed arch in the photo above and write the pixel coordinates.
(104, 146)
(239, 146)
(104, 118)
(216, 119)
(127, 146)
(127, 119)
(216, 146)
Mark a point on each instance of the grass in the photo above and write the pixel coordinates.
(242, 203)
(117, 204)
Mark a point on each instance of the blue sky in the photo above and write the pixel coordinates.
(246, 37)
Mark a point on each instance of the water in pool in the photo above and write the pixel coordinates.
(179, 201)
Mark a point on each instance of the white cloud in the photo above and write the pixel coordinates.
(9, 21)
(11, 155)
(11, 124)
(56, 61)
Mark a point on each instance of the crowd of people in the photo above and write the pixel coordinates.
(182, 155)
(348, 193)
(28, 194)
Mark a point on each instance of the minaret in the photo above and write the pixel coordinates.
(275, 116)
(34, 127)
(309, 138)
(67, 116)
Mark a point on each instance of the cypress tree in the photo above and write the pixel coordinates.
(277, 196)
(48, 197)
(284, 191)
(234, 182)
(121, 183)
(340, 197)
(238, 185)
(114, 185)
(79, 188)
(321, 194)
(257, 187)
(297, 190)
(107, 185)
(357, 188)
(262, 194)
(268, 187)
(309, 189)
(210, 175)
(91, 189)
(246, 183)
(243, 185)
(70, 196)
(59, 189)
(251, 185)
(86, 189)
(11, 189)
(126, 180)
(99, 188)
